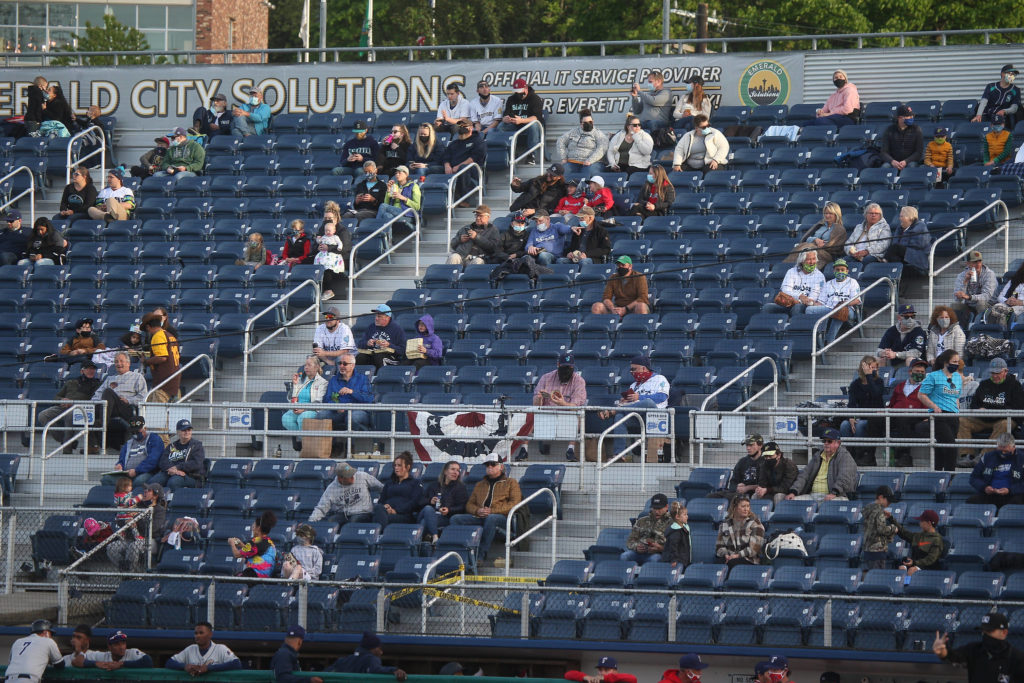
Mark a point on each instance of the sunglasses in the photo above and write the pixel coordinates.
(396, 132)
(634, 125)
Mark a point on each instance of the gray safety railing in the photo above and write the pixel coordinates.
(102, 151)
(1003, 229)
(772, 386)
(602, 466)
(81, 434)
(426, 604)
(513, 159)
(551, 519)
(816, 352)
(452, 200)
(248, 347)
(30, 192)
(354, 274)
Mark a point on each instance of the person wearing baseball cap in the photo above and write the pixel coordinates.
(690, 666)
(999, 392)
(184, 159)
(777, 473)
(547, 240)
(467, 147)
(879, 529)
(357, 150)
(761, 672)
(999, 97)
(523, 107)
(383, 342)
(366, 659)
(251, 117)
(625, 292)
(830, 474)
(13, 238)
(183, 463)
(476, 243)
(590, 242)
(402, 194)
(486, 110)
(998, 145)
(607, 672)
(746, 472)
(286, 659)
(79, 388)
(649, 389)
(489, 504)
(140, 455)
(512, 242)
(938, 154)
(332, 337)
(904, 341)
(342, 504)
(646, 541)
(926, 545)
(561, 387)
(777, 669)
(541, 192)
(583, 148)
(115, 202)
(991, 659)
(213, 120)
(905, 396)
(350, 388)
(974, 288)
(33, 654)
(118, 655)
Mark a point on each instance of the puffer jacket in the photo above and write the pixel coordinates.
(876, 241)
(745, 538)
(585, 147)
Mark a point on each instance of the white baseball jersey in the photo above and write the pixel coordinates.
(130, 655)
(216, 654)
(90, 655)
(31, 655)
(340, 338)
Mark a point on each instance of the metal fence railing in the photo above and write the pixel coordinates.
(1002, 228)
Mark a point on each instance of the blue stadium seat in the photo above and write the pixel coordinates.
(607, 617)
(570, 573)
(398, 541)
(657, 575)
(793, 512)
(701, 576)
(615, 573)
(178, 601)
(181, 561)
(752, 578)
(870, 481)
(930, 583)
(924, 621)
(972, 515)
(560, 615)
(882, 582)
(837, 516)
(881, 626)
(709, 511)
(610, 544)
(743, 621)
(702, 480)
(978, 585)
(698, 618)
(351, 566)
(55, 542)
(359, 538)
(266, 608)
(650, 618)
(229, 472)
(132, 602)
(792, 580)
(837, 579)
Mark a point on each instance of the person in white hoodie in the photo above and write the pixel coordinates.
(702, 149)
(804, 282)
(583, 148)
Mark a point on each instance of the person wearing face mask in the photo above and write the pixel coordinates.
(990, 659)
(297, 248)
(654, 101)
(541, 192)
(801, 287)
(256, 253)
(903, 142)
(582, 149)
(841, 289)
(213, 120)
(468, 147)
(777, 669)
(563, 387)
(453, 108)
(702, 149)
(944, 333)
(1001, 97)
(149, 162)
(140, 454)
(998, 476)
(630, 149)
(830, 474)
(998, 145)
(601, 199)
(607, 672)
(974, 288)
(648, 390)
(486, 110)
(394, 150)
(590, 242)
(83, 344)
(368, 194)
(656, 195)
(870, 238)
(904, 341)
(184, 159)
(251, 118)
(512, 242)
(842, 107)
(910, 243)
(1008, 306)
(905, 396)
(690, 666)
(425, 153)
(692, 103)
(866, 391)
(57, 108)
(746, 471)
(776, 475)
(999, 392)
(547, 240)
(523, 107)
(939, 155)
(624, 293)
(357, 150)
(477, 242)
(940, 394)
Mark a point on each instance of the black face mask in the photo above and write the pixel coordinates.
(839, 82)
(87, 333)
(587, 126)
(425, 138)
(622, 271)
(565, 373)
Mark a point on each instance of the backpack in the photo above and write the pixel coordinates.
(986, 347)
(664, 138)
(785, 541)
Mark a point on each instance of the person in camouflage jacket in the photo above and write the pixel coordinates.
(879, 529)
(647, 539)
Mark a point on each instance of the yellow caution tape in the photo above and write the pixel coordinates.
(469, 601)
(502, 579)
(440, 580)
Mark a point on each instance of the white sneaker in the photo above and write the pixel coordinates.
(327, 296)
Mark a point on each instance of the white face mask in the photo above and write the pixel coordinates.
(543, 227)
(943, 322)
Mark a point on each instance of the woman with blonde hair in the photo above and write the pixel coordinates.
(425, 152)
(827, 236)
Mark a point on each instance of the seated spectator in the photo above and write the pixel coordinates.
(1008, 306)
(842, 105)
(81, 346)
(402, 497)
(128, 550)
(394, 150)
(251, 118)
(430, 345)
(746, 472)
(904, 341)
(562, 387)
(346, 387)
(542, 192)
(590, 242)
(131, 342)
(368, 193)
(998, 476)
(865, 391)
(79, 388)
(677, 538)
(646, 541)
(115, 202)
(547, 240)
(998, 145)
(694, 102)
(630, 149)
(939, 155)
(702, 149)
(347, 498)
(648, 390)
(523, 107)
(925, 545)
(204, 656)
(256, 253)
(78, 195)
(305, 561)
(184, 159)
(870, 238)
(123, 390)
(477, 242)
(260, 553)
(975, 286)
(453, 108)
(13, 239)
(46, 246)
(776, 475)
(600, 197)
(213, 120)
(944, 333)
(582, 149)
(402, 193)
(740, 535)
(297, 246)
(512, 242)
(357, 150)
(653, 101)
(139, 457)
(183, 464)
(879, 529)
(624, 293)
(445, 498)
(332, 250)
(308, 387)
(92, 139)
(940, 393)
(827, 237)
(905, 397)
(801, 286)
(902, 142)
(383, 342)
(57, 108)
(486, 110)
(466, 148)
(425, 153)
(910, 243)
(656, 195)
(492, 499)
(830, 474)
(839, 290)
(163, 361)
(366, 660)
(1000, 392)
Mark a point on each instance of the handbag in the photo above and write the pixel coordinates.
(784, 300)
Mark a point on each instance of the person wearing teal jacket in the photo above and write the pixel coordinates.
(251, 118)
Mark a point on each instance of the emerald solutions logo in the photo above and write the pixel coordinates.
(764, 83)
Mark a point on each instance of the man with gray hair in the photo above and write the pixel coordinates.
(998, 477)
(123, 390)
(347, 498)
(974, 288)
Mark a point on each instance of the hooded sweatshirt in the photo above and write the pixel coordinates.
(390, 332)
(988, 659)
(551, 240)
(433, 343)
(525, 106)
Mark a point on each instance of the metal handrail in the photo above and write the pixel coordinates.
(815, 351)
(82, 433)
(452, 201)
(178, 373)
(353, 273)
(552, 518)
(1004, 228)
(248, 350)
(101, 151)
(424, 603)
(775, 399)
(601, 466)
(513, 159)
(30, 191)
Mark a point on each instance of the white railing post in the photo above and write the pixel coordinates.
(642, 442)
(513, 159)
(1004, 229)
(101, 151)
(552, 519)
(248, 347)
(426, 582)
(353, 274)
(30, 192)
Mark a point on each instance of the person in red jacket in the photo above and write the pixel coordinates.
(905, 397)
(573, 201)
(607, 672)
(601, 199)
(689, 670)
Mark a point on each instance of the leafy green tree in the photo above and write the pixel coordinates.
(113, 36)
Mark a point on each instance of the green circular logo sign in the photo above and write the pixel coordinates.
(764, 83)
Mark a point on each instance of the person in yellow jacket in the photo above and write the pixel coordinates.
(939, 155)
(998, 142)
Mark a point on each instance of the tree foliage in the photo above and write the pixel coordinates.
(113, 36)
